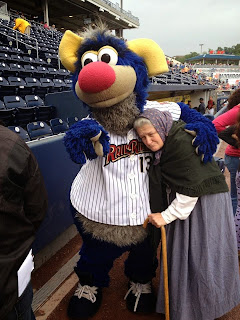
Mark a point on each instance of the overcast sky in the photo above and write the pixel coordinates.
(179, 26)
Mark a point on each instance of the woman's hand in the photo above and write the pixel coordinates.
(156, 219)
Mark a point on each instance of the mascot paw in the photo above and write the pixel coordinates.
(205, 139)
(86, 139)
(101, 143)
(140, 297)
(85, 302)
(206, 135)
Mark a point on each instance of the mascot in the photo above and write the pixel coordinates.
(110, 194)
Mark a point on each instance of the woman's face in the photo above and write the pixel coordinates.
(150, 137)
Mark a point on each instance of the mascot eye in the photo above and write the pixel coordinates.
(88, 57)
(108, 55)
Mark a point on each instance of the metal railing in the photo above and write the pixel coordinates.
(19, 40)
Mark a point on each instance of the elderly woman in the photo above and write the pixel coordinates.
(192, 200)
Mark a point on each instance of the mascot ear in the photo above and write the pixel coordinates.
(68, 47)
(151, 53)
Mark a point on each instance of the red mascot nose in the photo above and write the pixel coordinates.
(96, 77)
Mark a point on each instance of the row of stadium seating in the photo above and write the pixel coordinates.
(27, 70)
(15, 110)
(47, 41)
(171, 78)
(20, 87)
(21, 72)
(40, 129)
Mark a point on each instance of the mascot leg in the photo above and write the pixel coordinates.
(96, 260)
(140, 268)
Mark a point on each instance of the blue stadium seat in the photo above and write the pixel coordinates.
(22, 88)
(33, 101)
(2, 106)
(5, 57)
(47, 83)
(45, 113)
(23, 116)
(59, 85)
(7, 116)
(38, 130)
(52, 73)
(14, 102)
(72, 120)
(5, 49)
(63, 73)
(16, 58)
(51, 58)
(5, 88)
(20, 132)
(29, 60)
(30, 70)
(36, 86)
(68, 83)
(40, 62)
(16, 69)
(4, 69)
(42, 72)
(58, 125)
(17, 50)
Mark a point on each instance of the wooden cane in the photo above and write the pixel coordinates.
(165, 268)
(165, 272)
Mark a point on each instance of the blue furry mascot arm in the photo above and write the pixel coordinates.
(206, 139)
(86, 139)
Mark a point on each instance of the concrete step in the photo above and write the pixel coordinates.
(48, 297)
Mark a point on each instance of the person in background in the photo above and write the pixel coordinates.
(46, 26)
(22, 26)
(23, 204)
(231, 135)
(53, 27)
(189, 103)
(193, 201)
(232, 154)
(201, 107)
(210, 106)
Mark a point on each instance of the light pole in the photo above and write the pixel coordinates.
(201, 44)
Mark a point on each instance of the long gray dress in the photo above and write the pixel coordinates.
(203, 265)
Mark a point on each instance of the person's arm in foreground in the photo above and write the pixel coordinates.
(228, 135)
(229, 118)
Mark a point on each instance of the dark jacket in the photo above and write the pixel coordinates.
(226, 135)
(181, 170)
(202, 108)
(23, 204)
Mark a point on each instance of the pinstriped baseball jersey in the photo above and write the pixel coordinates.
(114, 189)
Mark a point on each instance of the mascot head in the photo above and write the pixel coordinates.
(106, 70)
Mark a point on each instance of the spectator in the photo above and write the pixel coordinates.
(54, 27)
(23, 204)
(231, 135)
(196, 207)
(189, 103)
(210, 103)
(210, 106)
(201, 107)
(232, 154)
(22, 26)
(46, 26)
